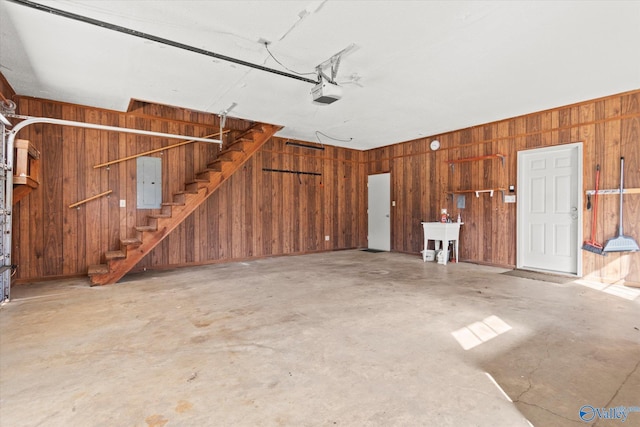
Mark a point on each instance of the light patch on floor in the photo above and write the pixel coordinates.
(477, 333)
(617, 290)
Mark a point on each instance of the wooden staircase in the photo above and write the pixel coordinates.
(133, 249)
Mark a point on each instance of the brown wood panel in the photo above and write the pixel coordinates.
(37, 197)
(92, 186)
(611, 179)
(328, 203)
(69, 176)
(111, 149)
(236, 220)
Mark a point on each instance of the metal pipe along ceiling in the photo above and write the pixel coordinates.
(31, 120)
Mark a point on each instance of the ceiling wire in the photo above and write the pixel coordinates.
(266, 45)
(318, 133)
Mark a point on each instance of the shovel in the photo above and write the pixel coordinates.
(621, 243)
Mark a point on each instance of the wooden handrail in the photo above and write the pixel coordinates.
(73, 205)
(155, 150)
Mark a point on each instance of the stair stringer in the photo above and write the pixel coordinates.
(185, 203)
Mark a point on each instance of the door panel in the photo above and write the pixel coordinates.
(549, 222)
(379, 218)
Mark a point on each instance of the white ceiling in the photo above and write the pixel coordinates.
(422, 67)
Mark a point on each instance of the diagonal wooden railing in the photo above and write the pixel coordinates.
(156, 150)
(88, 199)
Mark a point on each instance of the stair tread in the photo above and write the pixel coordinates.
(175, 203)
(217, 162)
(186, 192)
(114, 254)
(146, 228)
(130, 241)
(235, 147)
(209, 169)
(98, 269)
(228, 154)
(159, 215)
(221, 158)
(256, 129)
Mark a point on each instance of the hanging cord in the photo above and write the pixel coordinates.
(266, 45)
(330, 137)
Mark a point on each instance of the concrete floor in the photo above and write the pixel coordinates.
(345, 338)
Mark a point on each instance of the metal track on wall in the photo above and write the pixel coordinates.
(6, 193)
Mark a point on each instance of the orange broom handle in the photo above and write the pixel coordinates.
(595, 206)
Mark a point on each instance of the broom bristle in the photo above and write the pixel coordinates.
(594, 247)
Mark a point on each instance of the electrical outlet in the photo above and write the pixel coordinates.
(393, 203)
(123, 203)
(326, 238)
(509, 198)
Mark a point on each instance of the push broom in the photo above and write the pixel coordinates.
(621, 243)
(591, 245)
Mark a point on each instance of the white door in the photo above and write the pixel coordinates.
(379, 211)
(549, 208)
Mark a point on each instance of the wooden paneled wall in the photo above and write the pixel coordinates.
(420, 178)
(254, 214)
(258, 213)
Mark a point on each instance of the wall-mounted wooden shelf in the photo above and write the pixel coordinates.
(614, 191)
(475, 159)
(478, 192)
